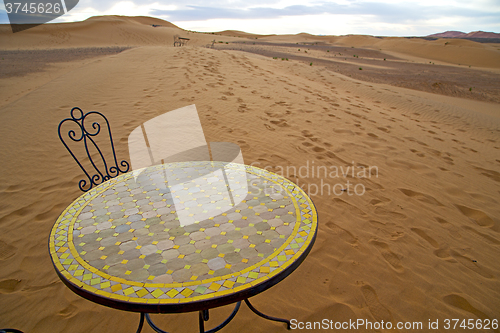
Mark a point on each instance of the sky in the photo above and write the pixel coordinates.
(339, 17)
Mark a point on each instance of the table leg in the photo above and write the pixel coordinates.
(203, 317)
(257, 312)
(153, 326)
(231, 316)
(141, 322)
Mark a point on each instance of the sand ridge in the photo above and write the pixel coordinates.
(421, 243)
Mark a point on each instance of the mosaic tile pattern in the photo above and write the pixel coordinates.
(182, 232)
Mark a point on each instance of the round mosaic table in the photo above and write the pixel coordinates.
(182, 237)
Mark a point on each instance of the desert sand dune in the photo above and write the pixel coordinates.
(421, 243)
(100, 31)
(237, 33)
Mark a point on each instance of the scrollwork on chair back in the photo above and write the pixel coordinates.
(102, 170)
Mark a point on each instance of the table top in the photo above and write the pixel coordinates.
(183, 236)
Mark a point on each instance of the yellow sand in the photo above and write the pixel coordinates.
(422, 242)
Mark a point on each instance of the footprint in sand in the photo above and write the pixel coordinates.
(377, 309)
(10, 285)
(417, 141)
(14, 188)
(243, 144)
(448, 160)
(69, 311)
(418, 153)
(343, 131)
(307, 134)
(420, 196)
(317, 149)
(389, 256)
(51, 213)
(371, 185)
(242, 108)
(443, 254)
(389, 213)
(273, 160)
(482, 236)
(451, 228)
(489, 173)
(269, 127)
(462, 304)
(379, 201)
(472, 265)
(280, 123)
(6, 250)
(343, 234)
(477, 216)
(343, 205)
(433, 152)
(426, 237)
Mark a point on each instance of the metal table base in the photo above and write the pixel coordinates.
(204, 316)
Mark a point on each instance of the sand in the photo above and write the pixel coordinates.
(422, 242)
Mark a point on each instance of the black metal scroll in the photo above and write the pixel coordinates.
(87, 134)
(203, 316)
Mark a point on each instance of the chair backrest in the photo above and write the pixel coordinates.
(84, 129)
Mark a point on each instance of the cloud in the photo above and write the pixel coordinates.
(387, 12)
(421, 15)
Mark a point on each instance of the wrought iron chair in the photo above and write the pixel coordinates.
(98, 170)
(177, 41)
(180, 41)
